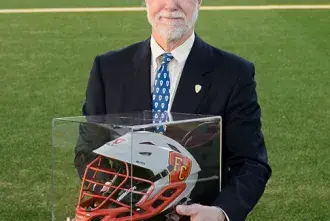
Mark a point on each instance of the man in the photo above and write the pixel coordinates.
(202, 80)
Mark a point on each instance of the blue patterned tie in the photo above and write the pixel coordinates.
(161, 93)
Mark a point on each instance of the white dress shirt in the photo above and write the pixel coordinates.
(175, 67)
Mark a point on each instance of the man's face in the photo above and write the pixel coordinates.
(172, 18)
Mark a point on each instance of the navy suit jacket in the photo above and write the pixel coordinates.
(120, 82)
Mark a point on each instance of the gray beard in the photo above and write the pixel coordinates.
(175, 33)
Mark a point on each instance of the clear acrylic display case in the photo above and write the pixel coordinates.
(122, 167)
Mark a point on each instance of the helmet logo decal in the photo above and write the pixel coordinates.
(181, 167)
(119, 140)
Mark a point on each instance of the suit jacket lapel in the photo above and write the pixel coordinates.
(139, 83)
(198, 64)
(186, 100)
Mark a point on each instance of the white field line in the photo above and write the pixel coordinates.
(131, 9)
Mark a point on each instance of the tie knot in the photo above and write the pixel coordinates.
(167, 57)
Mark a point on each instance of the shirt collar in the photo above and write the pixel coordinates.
(180, 53)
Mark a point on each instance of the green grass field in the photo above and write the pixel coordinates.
(45, 63)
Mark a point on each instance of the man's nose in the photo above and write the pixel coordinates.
(172, 5)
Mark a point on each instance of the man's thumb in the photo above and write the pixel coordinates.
(186, 210)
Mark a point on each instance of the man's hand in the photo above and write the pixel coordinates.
(199, 212)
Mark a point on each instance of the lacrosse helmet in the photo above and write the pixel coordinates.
(148, 174)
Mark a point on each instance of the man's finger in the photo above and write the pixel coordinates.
(188, 210)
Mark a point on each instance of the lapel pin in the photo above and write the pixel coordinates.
(197, 88)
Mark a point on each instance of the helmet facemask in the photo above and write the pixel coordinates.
(113, 189)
